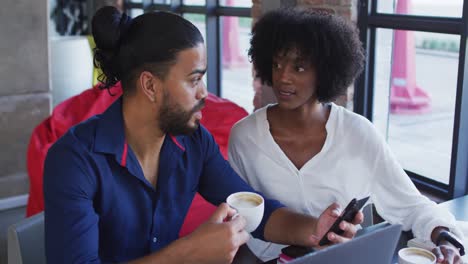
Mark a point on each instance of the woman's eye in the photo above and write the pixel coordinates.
(276, 65)
(300, 69)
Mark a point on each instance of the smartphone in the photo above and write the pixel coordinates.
(348, 215)
(296, 251)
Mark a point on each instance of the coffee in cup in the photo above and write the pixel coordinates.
(249, 205)
(413, 255)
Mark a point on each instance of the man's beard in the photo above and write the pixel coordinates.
(174, 120)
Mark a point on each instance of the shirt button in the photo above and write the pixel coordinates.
(155, 239)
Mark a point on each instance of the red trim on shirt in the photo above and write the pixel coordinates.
(123, 162)
(174, 139)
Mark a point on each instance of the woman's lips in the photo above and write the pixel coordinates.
(286, 94)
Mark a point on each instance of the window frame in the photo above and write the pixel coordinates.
(213, 12)
(368, 22)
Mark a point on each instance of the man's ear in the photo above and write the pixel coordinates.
(149, 85)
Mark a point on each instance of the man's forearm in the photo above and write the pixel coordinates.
(287, 227)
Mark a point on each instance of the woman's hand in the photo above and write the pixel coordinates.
(447, 253)
(326, 220)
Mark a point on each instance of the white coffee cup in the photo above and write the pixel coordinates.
(249, 205)
(413, 255)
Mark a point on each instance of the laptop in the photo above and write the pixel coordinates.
(369, 248)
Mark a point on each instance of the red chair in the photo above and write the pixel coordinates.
(219, 115)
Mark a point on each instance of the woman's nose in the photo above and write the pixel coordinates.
(285, 75)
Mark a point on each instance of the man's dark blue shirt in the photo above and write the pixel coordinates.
(100, 208)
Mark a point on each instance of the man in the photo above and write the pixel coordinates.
(117, 186)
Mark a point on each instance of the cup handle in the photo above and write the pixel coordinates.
(233, 217)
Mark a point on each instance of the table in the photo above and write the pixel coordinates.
(458, 207)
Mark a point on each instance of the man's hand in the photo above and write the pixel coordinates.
(217, 241)
(326, 220)
(446, 253)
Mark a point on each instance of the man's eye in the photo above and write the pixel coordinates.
(196, 81)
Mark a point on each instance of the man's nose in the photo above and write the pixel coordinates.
(202, 92)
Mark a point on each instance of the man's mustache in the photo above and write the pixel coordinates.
(199, 106)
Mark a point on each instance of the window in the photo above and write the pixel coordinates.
(414, 89)
(446, 8)
(195, 2)
(225, 26)
(237, 81)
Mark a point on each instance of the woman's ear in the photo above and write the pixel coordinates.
(149, 85)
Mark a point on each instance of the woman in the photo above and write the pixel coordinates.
(305, 150)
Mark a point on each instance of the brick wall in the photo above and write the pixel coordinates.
(346, 8)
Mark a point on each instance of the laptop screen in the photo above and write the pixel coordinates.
(369, 248)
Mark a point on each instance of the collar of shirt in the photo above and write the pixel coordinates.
(110, 139)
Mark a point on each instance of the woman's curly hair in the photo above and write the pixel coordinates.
(329, 42)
